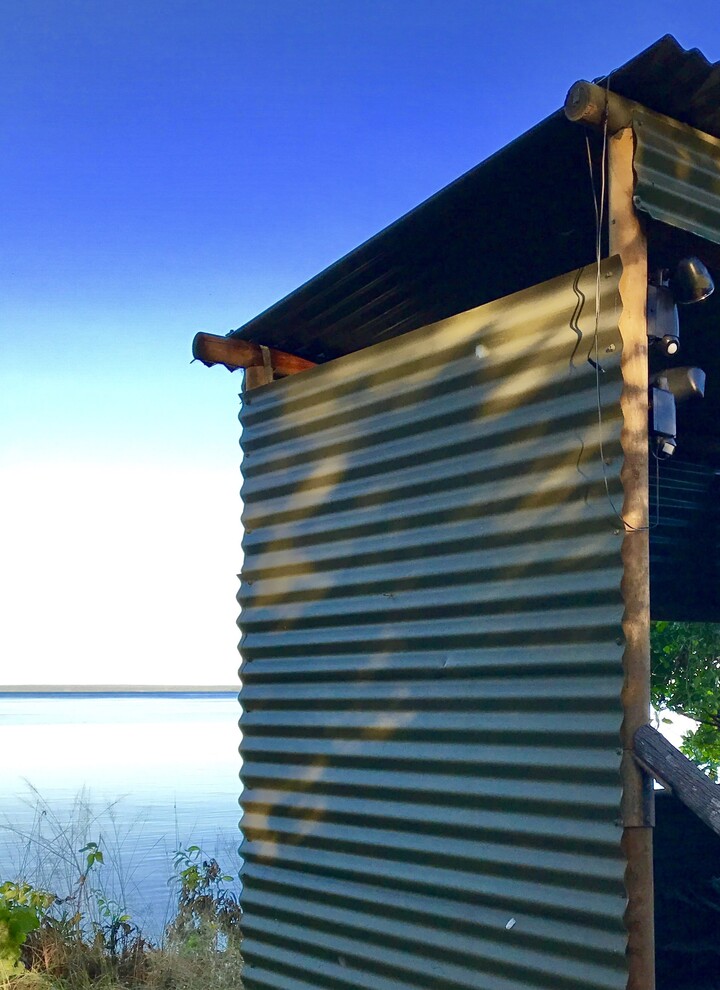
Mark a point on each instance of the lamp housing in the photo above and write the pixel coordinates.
(663, 419)
(684, 383)
(690, 282)
(663, 323)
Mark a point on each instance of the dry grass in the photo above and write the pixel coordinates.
(155, 969)
(59, 963)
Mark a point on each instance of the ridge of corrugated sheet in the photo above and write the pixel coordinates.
(432, 658)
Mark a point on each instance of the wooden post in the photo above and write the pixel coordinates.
(627, 239)
(254, 377)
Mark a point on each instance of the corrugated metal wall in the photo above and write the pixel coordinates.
(431, 618)
(678, 174)
(678, 183)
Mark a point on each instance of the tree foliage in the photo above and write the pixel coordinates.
(686, 680)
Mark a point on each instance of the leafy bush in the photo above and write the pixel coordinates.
(208, 911)
(21, 911)
(686, 680)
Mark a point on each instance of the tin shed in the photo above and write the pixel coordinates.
(458, 523)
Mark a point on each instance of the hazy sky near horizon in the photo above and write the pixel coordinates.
(171, 166)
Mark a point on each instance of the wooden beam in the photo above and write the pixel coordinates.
(678, 774)
(588, 103)
(235, 353)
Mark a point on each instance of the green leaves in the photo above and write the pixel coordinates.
(25, 895)
(94, 854)
(686, 680)
(21, 911)
(208, 912)
(111, 910)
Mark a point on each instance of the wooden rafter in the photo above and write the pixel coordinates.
(235, 353)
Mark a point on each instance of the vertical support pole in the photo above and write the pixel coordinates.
(254, 377)
(627, 239)
(257, 375)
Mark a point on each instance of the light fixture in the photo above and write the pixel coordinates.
(663, 323)
(682, 382)
(663, 421)
(689, 282)
(666, 388)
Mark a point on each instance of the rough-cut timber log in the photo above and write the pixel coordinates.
(235, 353)
(679, 775)
(587, 103)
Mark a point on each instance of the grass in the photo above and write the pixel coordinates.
(63, 922)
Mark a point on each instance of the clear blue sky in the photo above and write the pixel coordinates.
(173, 166)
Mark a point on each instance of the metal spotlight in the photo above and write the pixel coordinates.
(663, 419)
(663, 323)
(667, 388)
(690, 282)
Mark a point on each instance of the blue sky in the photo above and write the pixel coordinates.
(170, 167)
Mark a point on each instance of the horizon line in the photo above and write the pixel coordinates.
(119, 689)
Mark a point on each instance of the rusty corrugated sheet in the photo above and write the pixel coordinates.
(432, 658)
(678, 174)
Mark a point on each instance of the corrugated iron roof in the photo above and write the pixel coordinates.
(439, 259)
(480, 239)
(675, 81)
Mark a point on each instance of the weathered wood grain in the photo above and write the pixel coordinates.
(678, 774)
(234, 353)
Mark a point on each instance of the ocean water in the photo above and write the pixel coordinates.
(142, 775)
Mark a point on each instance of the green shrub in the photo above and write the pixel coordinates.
(22, 908)
(209, 914)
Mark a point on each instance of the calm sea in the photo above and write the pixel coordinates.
(140, 775)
